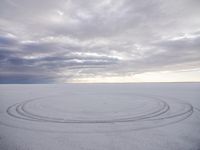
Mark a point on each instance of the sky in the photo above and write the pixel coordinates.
(90, 41)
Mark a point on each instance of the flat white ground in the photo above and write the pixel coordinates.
(141, 116)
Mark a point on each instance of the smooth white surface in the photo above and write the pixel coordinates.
(100, 116)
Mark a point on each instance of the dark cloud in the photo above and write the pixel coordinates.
(7, 41)
(25, 79)
(58, 41)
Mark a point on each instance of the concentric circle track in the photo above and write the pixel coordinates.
(143, 112)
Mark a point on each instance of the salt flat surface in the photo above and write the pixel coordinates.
(141, 116)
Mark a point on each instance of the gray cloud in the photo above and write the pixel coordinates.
(58, 41)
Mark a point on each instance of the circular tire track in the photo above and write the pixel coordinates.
(19, 111)
(164, 113)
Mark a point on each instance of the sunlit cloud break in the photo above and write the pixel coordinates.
(57, 41)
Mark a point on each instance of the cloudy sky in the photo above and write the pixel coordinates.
(60, 41)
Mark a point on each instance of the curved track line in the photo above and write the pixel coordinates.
(163, 115)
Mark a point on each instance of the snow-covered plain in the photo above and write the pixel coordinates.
(140, 116)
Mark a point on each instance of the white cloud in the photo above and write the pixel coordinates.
(97, 38)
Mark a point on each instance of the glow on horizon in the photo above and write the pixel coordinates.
(161, 76)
